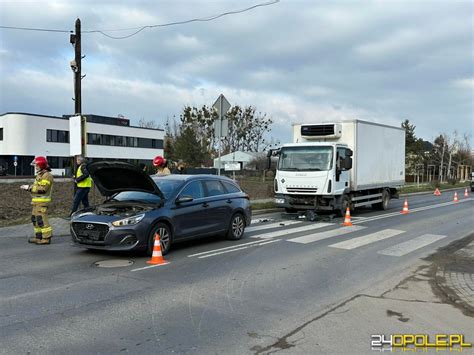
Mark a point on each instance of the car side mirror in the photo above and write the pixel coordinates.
(182, 199)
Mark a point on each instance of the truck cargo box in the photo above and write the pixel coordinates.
(379, 150)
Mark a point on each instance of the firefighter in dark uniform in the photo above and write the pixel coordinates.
(41, 191)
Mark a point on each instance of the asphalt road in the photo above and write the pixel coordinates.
(215, 296)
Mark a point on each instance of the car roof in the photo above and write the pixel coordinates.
(184, 177)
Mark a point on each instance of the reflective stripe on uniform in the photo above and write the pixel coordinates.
(41, 199)
(44, 182)
(37, 230)
(46, 230)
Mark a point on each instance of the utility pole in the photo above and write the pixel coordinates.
(76, 67)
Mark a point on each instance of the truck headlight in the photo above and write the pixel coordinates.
(280, 200)
(129, 221)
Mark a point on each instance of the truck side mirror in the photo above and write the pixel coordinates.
(347, 163)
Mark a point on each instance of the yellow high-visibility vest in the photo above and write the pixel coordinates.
(87, 182)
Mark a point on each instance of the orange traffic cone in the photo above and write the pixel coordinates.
(405, 207)
(456, 197)
(157, 257)
(347, 219)
(437, 192)
(466, 194)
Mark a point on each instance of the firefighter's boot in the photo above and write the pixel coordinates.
(33, 240)
(44, 241)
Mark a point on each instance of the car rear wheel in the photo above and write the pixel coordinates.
(236, 227)
(165, 238)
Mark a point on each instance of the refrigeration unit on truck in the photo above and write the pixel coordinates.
(332, 166)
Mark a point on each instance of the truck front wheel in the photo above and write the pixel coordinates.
(345, 202)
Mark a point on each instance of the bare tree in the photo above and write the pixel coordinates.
(148, 124)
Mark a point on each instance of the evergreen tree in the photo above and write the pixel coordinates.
(188, 148)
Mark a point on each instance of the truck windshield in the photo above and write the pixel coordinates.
(305, 158)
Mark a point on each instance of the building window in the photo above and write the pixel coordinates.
(1, 134)
(53, 135)
(123, 141)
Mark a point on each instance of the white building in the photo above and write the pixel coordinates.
(24, 136)
(243, 158)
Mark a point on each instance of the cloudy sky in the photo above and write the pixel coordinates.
(297, 61)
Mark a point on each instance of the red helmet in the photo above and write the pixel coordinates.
(159, 161)
(42, 162)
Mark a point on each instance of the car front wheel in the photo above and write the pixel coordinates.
(236, 227)
(165, 238)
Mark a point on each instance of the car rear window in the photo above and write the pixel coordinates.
(231, 188)
(214, 188)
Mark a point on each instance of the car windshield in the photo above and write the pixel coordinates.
(167, 187)
(305, 158)
(137, 196)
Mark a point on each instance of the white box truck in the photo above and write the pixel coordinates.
(332, 166)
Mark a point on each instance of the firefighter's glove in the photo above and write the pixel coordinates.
(25, 187)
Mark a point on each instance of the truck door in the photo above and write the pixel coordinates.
(341, 178)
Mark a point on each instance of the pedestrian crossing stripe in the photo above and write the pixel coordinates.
(270, 225)
(310, 238)
(367, 239)
(281, 233)
(411, 245)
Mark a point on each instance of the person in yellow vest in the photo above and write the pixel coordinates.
(41, 191)
(83, 183)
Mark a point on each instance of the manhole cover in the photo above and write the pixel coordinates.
(113, 263)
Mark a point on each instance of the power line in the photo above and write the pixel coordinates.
(34, 29)
(140, 29)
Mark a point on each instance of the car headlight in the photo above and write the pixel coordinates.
(129, 221)
(279, 200)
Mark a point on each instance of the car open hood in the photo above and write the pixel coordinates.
(112, 177)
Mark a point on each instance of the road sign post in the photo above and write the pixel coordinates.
(221, 128)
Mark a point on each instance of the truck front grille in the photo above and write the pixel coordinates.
(302, 190)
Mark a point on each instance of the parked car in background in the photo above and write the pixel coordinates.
(472, 181)
(177, 207)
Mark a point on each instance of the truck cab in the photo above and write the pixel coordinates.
(311, 169)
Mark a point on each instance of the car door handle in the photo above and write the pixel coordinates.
(229, 201)
(205, 204)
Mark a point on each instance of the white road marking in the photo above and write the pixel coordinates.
(411, 245)
(270, 225)
(418, 209)
(231, 247)
(148, 267)
(236, 249)
(310, 238)
(260, 220)
(284, 232)
(367, 239)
